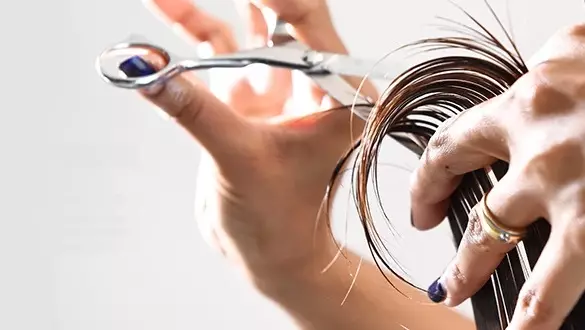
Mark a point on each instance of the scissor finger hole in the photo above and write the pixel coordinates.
(111, 61)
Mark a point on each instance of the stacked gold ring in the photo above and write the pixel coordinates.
(496, 229)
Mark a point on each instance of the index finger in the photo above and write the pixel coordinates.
(462, 144)
(196, 23)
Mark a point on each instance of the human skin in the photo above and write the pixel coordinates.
(537, 127)
(266, 175)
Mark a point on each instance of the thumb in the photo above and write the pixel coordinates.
(210, 121)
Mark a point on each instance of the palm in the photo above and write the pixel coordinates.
(239, 89)
(252, 102)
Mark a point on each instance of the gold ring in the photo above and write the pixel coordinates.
(496, 229)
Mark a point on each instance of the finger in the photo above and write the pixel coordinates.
(196, 23)
(479, 254)
(277, 83)
(221, 131)
(258, 27)
(555, 285)
(462, 144)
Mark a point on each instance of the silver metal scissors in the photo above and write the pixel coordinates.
(325, 69)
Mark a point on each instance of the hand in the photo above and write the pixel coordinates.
(264, 177)
(538, 126)
(296, 12)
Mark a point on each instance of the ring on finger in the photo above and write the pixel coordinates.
(495, 229)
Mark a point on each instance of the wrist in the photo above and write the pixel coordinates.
(353, 294)
(313, 298)
(305, 270)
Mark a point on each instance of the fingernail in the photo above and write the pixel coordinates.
(436, 292)
(136, 67)
(411, 219)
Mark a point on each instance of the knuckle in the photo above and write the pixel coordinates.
(475, 237)
(574, 241)
(185, 106)
(458, 281)
(438, 140)
(436, 153)
(532, 91)
(548, 164)
(452, 136)
(533, 309)
(444, 131)
(574, 30)
(545, 90)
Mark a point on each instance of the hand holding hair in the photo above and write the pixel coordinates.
(538, 127)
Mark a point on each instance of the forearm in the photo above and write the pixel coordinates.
(314, 300)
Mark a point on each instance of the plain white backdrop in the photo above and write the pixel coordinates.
(96, 190)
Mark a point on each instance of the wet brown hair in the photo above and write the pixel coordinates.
(411, 110)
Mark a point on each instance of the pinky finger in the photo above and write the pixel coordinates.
(554, 287)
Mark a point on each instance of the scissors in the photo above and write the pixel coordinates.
(283, 51)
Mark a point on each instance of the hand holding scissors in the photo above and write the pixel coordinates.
(266, 174)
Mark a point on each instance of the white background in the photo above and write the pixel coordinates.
(96, 190)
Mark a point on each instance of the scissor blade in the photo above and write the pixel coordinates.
(350, 66)
(280, 35)
(289, 55)
(341, 91)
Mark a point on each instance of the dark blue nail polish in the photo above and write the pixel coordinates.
(436, 292)
(411, 219)
(136, 67)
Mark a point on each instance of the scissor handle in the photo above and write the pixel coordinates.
(109, 61)
(289, 54)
